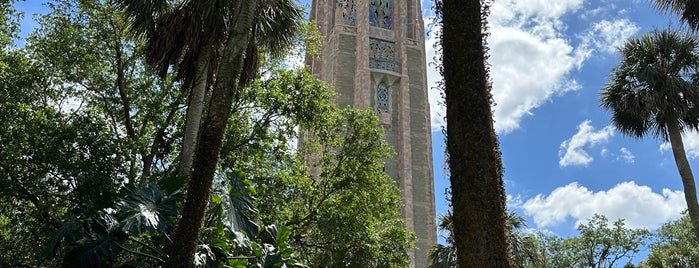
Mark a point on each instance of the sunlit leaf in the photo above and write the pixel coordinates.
(147, 208)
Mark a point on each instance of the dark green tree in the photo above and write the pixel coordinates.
(674, 246)
(601, 245)
(598, 244)
(654, 90)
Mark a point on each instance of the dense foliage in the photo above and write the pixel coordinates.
(91, 143)
(674, 246)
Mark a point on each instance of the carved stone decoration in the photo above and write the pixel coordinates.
(382, 55)
(346, 11)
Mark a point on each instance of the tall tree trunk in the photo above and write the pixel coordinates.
(478, 195)
(194, 111)
(690, 189)
(181, 252)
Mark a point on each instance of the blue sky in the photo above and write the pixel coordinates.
(563, 160)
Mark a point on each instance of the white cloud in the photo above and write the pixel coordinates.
(531, 59)
(514, 202)
(572, 151)
(691, 144)
(437, 109)
(626, 155)
(536, 8)
(637, 204)
(606, 36)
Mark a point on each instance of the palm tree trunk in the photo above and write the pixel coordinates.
(685, 170)
(478, 195)
(181, 252)
(194, 110)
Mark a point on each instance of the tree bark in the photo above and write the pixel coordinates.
(685, 170)
(194, 111)
(181, 252)
(478, 195)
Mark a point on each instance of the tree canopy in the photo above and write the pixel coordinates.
(92, 139)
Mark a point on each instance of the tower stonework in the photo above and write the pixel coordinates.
(374, 56)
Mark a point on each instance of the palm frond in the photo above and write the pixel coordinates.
(442, 257)
(687, 9)
(279, 21)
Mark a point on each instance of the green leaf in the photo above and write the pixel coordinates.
(98, 246)
(51, 248)
(147, 207)
(173, 183)
(238, 206)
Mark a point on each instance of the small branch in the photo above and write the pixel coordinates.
(240, 258)
(139, 253)
(147, 246)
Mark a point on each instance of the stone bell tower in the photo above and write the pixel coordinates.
(374, 56)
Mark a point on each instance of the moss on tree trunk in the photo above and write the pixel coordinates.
(478, 194)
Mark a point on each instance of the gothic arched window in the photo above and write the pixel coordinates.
(380, 13)
(382, 97)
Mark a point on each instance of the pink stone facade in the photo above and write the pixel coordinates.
(358, 57)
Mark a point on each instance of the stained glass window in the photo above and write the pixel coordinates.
(380, 13)
(382, 55)
(347, 12)
(382, 97)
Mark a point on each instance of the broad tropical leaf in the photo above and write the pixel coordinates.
(147, 208)
(67, 230)
(237, 206)
(89, 242)
(274, 251)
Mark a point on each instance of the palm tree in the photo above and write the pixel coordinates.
(444, 256)
(183, 35)
(687, 9)
(655, 90)
(478, 193)
(234, 32)
(189, 34)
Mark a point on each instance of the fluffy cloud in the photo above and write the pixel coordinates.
(606, 36)
(691, 144)
(531, 59)
(637, 204)
(626, 155)
(572, 151)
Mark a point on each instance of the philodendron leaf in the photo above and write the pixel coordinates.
(147, 208)
(238, 205)
(98, 246)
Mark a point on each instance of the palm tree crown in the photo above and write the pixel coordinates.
(655, 85)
